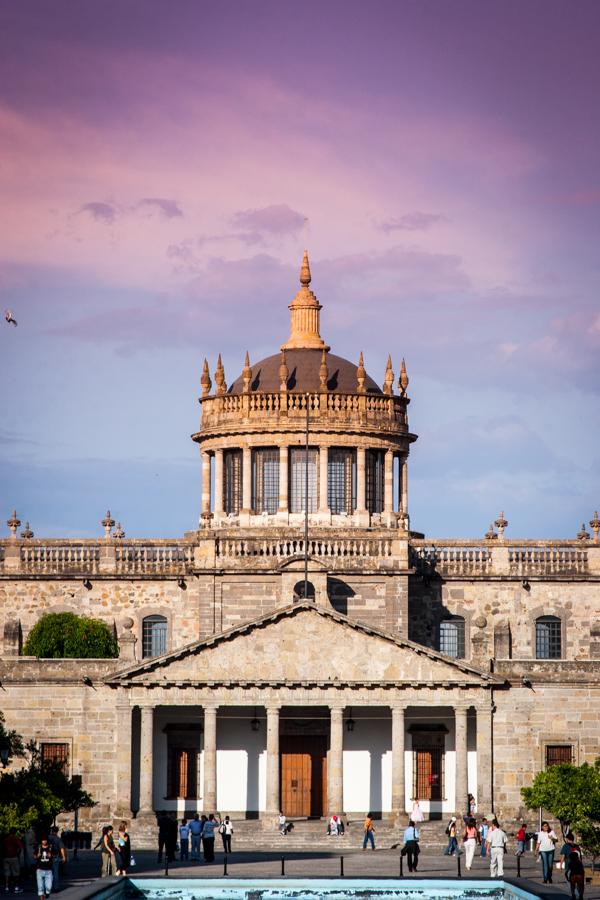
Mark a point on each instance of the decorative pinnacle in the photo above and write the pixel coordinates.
(388, 380)
(323, 371)
(247, 373)
(403, 379)
(13, 523)
(205, 380)
(595, 525)
(361, 375)
(490, 534)
(582, 534)
(220, 377)
(27, 533)
(305, 276)
(107, 523)
(501, 524)
(284, 373)
(118, 533)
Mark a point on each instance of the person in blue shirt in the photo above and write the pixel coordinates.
(411, 846)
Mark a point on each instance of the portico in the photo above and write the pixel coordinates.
(361, 721)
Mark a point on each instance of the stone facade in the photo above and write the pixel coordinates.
(304, 618)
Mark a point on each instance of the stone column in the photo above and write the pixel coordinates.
(485, 762)
(323, 480)
(146, 755)
(398, 762)
(123, 761)
(388, 496)
(461, 770)
(205, 485)
(246, 480)
(404, 484)
(283, 479)
(335, 763)
(361, 487)
(218, 501)
(273, 799)
(209, 802)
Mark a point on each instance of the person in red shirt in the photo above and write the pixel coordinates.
(13, 848)
(521, 839)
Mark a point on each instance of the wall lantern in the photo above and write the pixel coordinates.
(350, 723)
(255, 723)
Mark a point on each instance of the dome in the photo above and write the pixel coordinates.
(303, 366)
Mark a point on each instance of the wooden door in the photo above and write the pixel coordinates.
(303, 775)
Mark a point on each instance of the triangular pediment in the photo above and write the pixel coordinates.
(303, 644)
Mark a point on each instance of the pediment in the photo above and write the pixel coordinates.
(303, 644)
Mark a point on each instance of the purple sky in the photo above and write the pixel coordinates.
(164, 163)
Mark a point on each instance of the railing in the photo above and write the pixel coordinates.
(228, 548)
(60, 556)
(55, 557)
(145, 557)
(512, 558)
(293, 403)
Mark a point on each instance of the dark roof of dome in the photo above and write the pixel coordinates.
(303, 366)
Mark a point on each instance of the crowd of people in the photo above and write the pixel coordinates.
(42, 854)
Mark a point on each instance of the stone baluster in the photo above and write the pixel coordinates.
(272, 761)
(335, 764)
(210, 759)
(461, 770)
(398, 763)
(219, 493)
(146, 758)
(283, 479)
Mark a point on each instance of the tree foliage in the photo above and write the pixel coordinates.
(570, 793)
(68, 636)
(10, 741)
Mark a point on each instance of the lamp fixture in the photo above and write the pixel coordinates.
(350, 723)
(181, 583)
(526, 585)
(255, 722)
(87, 584)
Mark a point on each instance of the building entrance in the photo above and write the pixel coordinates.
(303, 774)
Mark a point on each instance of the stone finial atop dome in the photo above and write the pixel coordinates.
(323, 371)
(284, 372)
(247, 373)
(361, 375)
(205, 381)
(220, 377)
(305, 310)
(388, 381)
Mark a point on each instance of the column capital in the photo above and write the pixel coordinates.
(273, 707)
(336, 710)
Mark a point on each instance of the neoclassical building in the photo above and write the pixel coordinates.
(303, 648)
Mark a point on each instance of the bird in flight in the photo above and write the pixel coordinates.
(9, 317)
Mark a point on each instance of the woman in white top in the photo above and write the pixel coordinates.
(546, 840)
(417, 813)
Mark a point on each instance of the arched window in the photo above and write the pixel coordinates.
(548, 639)
(154, 636)
(452, 637)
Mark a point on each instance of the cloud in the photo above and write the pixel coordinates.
(414, 221)
(277, 219)
(170, 209)
(101, 212)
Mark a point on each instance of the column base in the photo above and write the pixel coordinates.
(361, 517)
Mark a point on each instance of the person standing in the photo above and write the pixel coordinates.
(282, 824)
(226, 830)
(546, 841)
(196, 832)
(184, 840)
(576, 876)
(417, 813)
(470, 837)
(162, 820)
(43, 863)
(496, 841)
(483, 830)
(521, 837)
(472, 805)
(60, 856)
(208, 839)
(369, 831)
(123, 849)
(13, 847)
(411, 846)
(568, 848)
(452, 842)
(109, 864)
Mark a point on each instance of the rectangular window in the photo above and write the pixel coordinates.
(452, 637)
(375, 460)
(558, 753)
(341, 483)
(548, 638)
(55, 755)
(232, 481)
(298, 480)
(265, 480)
(182, 777)
(428, 767)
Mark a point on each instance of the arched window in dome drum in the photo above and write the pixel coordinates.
(341, 483)
(265, 480)
(375, 460)
(232, 481)
(298, 480)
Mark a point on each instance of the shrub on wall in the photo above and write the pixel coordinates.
(68, 636)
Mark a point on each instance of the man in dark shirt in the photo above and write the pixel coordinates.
(44, 856)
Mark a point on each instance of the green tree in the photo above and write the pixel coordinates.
(570, 793)
(11, 743)
(66, 635)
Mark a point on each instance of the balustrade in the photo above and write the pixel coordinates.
(451, 558)
(151, 557)
(524, 558)
(60, 556)
(294, 403)
(547, 559)
(317, 547)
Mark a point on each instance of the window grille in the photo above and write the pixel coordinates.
(556, 754)
(182, 772)
(154, 636)
(428, 768)
(452, 637)
(548, 638)
(55, 755)
(265, 480)
(298, 480)
(232, 481)
(341, 484)
(375, 480)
